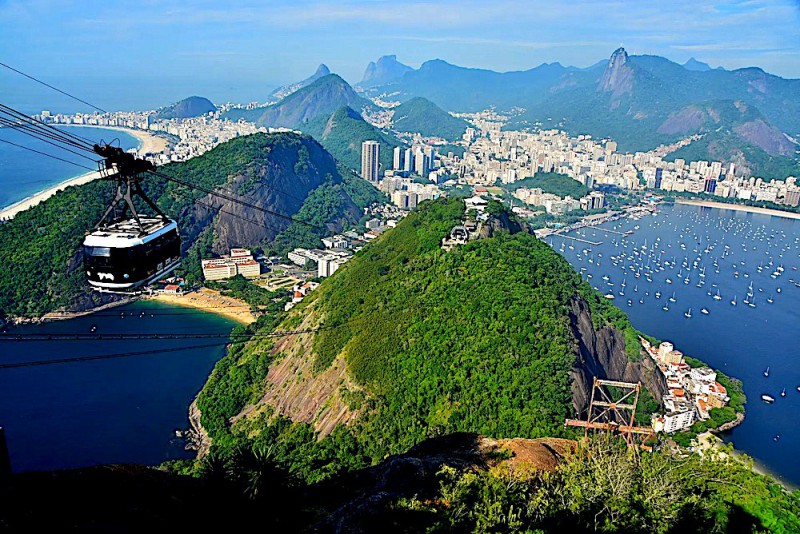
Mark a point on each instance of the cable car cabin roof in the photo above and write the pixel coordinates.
(125, 234)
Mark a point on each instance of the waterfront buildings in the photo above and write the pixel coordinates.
(240, 261)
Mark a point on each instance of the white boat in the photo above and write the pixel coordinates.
(766, 371)
(783, 393)
(688, 314)
(704, 311)
(769, 399)
(733, 302)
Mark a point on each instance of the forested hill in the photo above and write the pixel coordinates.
(407, 342)
(423, 116)
(284, 173)
(321, 97)
(342, 134)
(415, 342)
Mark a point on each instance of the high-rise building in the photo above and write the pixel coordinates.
(408, 161)
(397, 160)
(659, 174)
(370, 160)
(421, 162)
(710, 186)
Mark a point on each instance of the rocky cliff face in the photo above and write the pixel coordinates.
(602, 355)
(618, 76)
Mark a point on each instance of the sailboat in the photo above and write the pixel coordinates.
(688, 314)
(717, 296)
(766, 372)
(672, 298)
(733, 302)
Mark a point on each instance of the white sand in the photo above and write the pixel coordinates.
(150, 144)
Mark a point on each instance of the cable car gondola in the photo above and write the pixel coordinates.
(123, 253)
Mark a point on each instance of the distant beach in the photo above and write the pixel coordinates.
(148, 143)
(739, 207)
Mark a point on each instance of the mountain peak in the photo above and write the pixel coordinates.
(695, 65)
(321, 71)
(618, 76)
(193, 106)
(386, 69)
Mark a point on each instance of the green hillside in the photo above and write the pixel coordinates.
(476, 339)
(323, 96)
(194, 106)
(423, 116)
(342, 134)
(278, 172)
(551, 182)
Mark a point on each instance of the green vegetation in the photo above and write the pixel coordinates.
(432, 339)
(41, 246)
(551, 182)
(342, 134)
(423, 116)
(605, 487)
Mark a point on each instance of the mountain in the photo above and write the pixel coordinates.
(422, 116)
(693, 64)
(385, 70)
(194, 106)
(626, 97)
(282, 92)
(322, 97)
(342, 134)
(457, 88)
(288, 174)
(407, 341)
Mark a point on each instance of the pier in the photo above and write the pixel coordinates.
(626, 233)
(595, 243)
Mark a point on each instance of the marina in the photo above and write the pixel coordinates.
(724, 285)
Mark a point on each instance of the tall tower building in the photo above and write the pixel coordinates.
(408, 163)
(397, 160)
(370, 160)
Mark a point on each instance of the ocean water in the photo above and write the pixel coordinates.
(24, 173)
(123, 410)
(740, 340)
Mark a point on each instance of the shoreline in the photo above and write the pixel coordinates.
(738, 207)
(148, 143)
(210, 301)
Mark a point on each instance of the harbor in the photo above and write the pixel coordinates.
(724, 286)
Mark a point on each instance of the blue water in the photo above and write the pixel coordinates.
(105, 411)
(740, 340)
(24, 173)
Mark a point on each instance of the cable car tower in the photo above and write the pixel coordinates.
(127, 250)
(612, 409)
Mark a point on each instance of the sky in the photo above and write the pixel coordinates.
(151, 52)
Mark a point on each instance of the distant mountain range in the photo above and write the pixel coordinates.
(323, 96)
(636, 100)
(194, 106)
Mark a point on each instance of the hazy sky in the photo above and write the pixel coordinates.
(258, 44)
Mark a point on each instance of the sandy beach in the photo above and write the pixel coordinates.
(211, 301)
(41, 196)
(149, 144)
(739, 207)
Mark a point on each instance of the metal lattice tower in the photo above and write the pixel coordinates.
(613, 409)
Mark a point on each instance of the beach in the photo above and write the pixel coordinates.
(211, 301)
(739, 207)
(149, 144)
